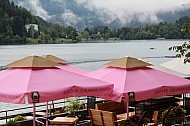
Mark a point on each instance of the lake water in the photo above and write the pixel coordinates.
(91, 56)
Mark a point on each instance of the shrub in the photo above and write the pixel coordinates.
(11, 122)
(74, 105)
(18, 118)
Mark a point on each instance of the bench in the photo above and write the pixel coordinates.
(117, 107)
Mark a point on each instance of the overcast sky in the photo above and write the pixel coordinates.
(122, 9)
(135, 5)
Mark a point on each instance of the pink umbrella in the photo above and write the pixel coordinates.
(51, 83)
(32, 76)
(144, 82)
(139, 83)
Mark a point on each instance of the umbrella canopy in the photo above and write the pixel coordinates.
(51, 83)
(54, 59)
(143, 82)
(32, 61)
(128, 62)
(40, 81)
(178, 65)
(63, 64)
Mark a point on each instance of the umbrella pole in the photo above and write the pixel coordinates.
(47, 114)
(34, 114)
(127, 109)
(126, 103)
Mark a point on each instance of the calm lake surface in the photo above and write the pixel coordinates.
(91, 56)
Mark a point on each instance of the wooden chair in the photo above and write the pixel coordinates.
(111, 106)
(154, 121)
(109, 118)
(155, 117)
(96, 117)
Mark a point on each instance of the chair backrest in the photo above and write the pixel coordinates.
(111, 106)
(95, 117)
(109, 118)
(155, 116)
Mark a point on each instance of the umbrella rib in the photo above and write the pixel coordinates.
(29, 79)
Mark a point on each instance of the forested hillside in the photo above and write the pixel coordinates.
(13, 19)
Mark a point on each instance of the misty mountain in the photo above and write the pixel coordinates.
(82, 14)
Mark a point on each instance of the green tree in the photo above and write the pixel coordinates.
(30, 32)
(68, 31)
(52, 33)
(74, 34)
(47, 38)
(106, 36)
(9, 31)
(93, 36)
(121, 36)
(56, 31)
(18, 26)
(98, 36)
(86, 35)
(79, 38)
(184, 49)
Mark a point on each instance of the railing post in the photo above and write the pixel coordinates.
(53, 105)
(91, 100)
(6, 115)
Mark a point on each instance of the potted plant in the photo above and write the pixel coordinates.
(135, 118)
(74, 105)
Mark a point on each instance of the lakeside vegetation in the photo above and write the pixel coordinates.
(13, 21)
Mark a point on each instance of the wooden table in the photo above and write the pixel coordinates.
(64, 121)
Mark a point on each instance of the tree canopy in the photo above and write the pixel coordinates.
(184, 49)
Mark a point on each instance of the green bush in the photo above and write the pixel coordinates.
(11, 122)
(18, 118)
(74, 105)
